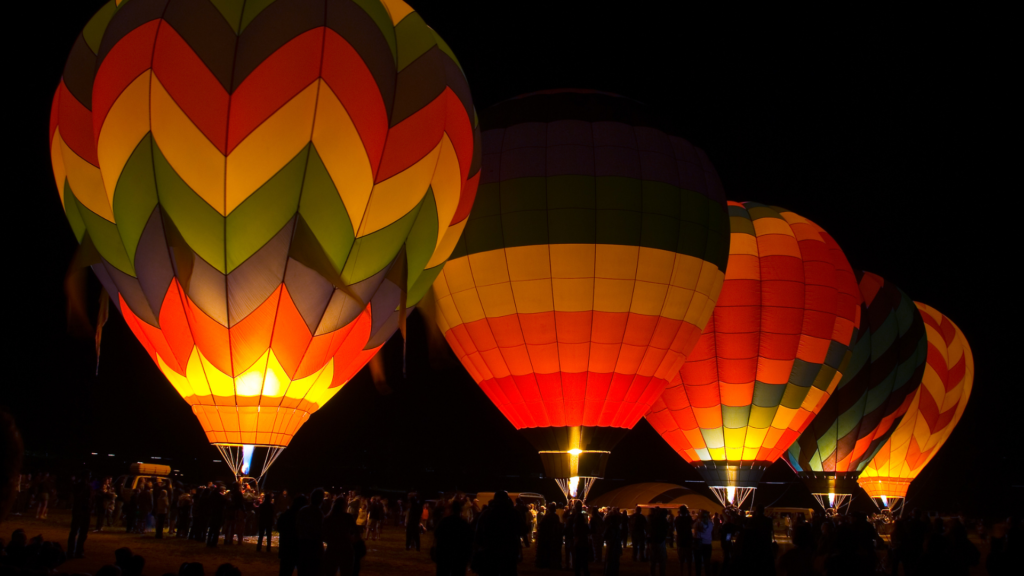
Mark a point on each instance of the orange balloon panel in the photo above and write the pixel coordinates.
(258, 381)
(934, 411)
(774, 349)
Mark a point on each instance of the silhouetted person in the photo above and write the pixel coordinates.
(183, 521)
(702, 533)
(580, 540)
(122, 558)
(597, 535)
(412, 522)
(227, 570)
(684, 540)
(134, 566)
(79, 517)
(549, 541)
(287, 544)
(215, 504)
(658, 528)
(453, 543)
(613, 536)
(309, 535)
(160, 510)
(234, 515)
(131, 510)
(523, 510)
(799, 561)
(498, 538)
(265, 521)
(639, 535)
(339, 532)
(145, 508)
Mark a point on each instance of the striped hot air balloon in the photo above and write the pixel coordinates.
(592, 259)
(888, 360)
(935, 409)
(772, 354)
(265, 187)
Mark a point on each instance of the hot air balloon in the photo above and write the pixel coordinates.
(264, 188)
(886, 366)
(935, 408)
(592, 259)
(773, 352)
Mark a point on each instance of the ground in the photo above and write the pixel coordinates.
(384, 557)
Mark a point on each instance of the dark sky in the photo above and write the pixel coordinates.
(888, 129)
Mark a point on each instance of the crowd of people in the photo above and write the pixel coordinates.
(324, 533)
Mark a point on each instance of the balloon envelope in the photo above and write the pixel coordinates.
(592, 259)
(935, 409)
(263, 184)
(888, 360)
(772, 354)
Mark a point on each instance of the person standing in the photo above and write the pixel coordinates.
(613, 536)
(215, 504)
(287, 545)
(684, 541)
(523, 512)
(639, 535)
(658, 528)
(160, 510)
(597, 535)
(453, 543)
(183, 521)
(340, 533)
(375, 518)
(703, 533)
(200, 520)
(412, 522)
(131, 510)
(100, 504)
(265, 521)
(145, 507)
(580, 540)
(498, 538)
(309, 535)
(549, 541)
(81, 497)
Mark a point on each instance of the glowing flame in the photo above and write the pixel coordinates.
(831, 499)
(730, 493)
(574, 482)
(576, 452)
(247, 451)
(885, 501)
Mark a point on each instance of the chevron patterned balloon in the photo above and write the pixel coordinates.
(935, 409)
(888, 360)
(263, 182)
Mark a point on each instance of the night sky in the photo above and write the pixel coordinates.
(887, 129)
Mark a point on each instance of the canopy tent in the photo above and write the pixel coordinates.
(654, 493)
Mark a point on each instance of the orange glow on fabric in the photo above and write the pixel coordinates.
(268, 203)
